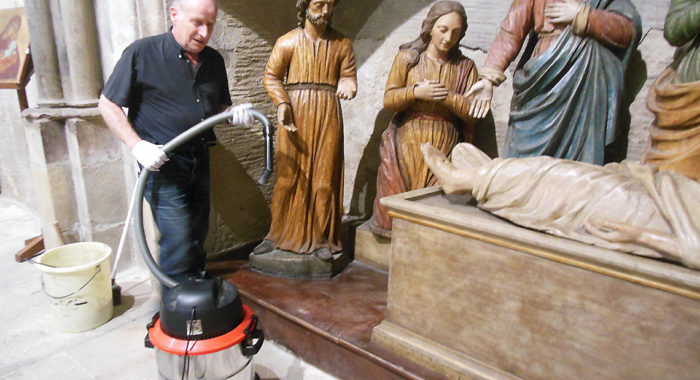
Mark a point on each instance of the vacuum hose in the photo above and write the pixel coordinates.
(171, 146)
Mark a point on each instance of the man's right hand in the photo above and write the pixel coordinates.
(149, 155)
(240, 115)
(285, 117)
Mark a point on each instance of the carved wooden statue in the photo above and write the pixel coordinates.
(568, 85)
(319, 64)
(674, 142)
(625, 206)
(425, 88)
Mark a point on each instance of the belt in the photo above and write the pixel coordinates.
(194, 148)
(311, 86)
(409, 115)
(553, 33)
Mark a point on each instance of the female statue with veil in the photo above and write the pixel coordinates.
(425, 89)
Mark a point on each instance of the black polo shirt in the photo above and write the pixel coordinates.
(164, 93)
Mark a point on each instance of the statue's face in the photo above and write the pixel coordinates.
(320, 12)
(446, 31)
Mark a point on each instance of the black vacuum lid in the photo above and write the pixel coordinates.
(200, 308)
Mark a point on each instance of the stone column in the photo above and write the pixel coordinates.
(82, 51)
(98, 176)
(152, 17)
(76, 163)
(44, 52)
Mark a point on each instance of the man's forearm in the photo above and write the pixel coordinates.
(116, 120)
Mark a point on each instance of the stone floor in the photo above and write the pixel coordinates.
(33, 349)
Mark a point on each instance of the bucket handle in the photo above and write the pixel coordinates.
(43, 287)
(34, 262)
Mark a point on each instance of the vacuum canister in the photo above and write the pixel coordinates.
(203, 331)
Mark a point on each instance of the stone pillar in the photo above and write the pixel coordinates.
(98, 176)
(79, 180)
(152, 17)
(44, 51)
(51, 173)
(82, 51)
(76, 163)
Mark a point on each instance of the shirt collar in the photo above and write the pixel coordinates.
(175, 48)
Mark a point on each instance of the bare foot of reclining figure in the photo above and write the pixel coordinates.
(453, 180)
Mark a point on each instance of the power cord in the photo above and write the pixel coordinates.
(185, 362)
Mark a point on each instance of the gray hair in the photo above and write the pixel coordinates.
(178, 3)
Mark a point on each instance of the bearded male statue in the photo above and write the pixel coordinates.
(319, 64)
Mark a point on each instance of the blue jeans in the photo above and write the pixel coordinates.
(179, 198)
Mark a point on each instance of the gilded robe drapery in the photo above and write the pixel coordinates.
(674, 138)
(443, 124)
(308, 193)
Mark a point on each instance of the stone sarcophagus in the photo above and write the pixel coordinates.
(473, 296)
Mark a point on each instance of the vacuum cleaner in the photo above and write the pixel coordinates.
(203, 330)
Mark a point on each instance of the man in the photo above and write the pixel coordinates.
(320, 67)
(169, 83)
(568, 85)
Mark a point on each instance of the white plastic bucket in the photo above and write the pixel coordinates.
(77, 279)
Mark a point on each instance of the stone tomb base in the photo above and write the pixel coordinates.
(471, 295)
(291, 265)
(372, 249)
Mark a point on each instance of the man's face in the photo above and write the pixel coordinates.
(193, 23)
(320, 12)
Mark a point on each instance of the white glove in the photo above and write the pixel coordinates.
(240, 115)
(149, 155)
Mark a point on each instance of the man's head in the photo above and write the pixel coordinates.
(318, 12)
(193, 23)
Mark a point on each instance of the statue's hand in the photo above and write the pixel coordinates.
(481, 104)
(562, 12)
(613, 231)
(347, 88)
(430, 90)
(285, 117)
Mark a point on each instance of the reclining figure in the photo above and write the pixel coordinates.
(622, 206)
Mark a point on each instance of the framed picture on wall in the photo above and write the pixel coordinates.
(15, 62)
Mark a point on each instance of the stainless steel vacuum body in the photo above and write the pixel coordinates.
(226, 364)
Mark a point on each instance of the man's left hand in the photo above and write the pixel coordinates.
(347, 88)
(241, 115)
